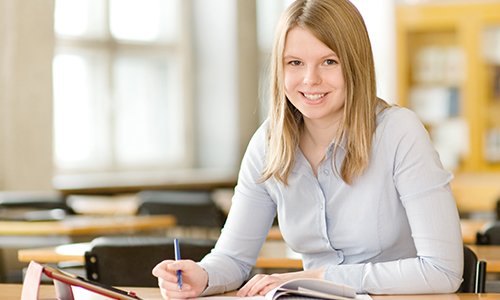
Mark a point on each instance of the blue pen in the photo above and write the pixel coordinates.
(178, 257)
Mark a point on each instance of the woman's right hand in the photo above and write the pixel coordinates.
(194, 279)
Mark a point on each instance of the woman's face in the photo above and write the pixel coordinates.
(314, 83)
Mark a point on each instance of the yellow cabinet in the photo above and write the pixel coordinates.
(444, 73)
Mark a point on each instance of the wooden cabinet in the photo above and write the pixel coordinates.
(441, 59)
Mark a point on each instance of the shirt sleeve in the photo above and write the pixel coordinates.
(423, 188)
(249, 220)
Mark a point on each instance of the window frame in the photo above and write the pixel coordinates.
(181, 48)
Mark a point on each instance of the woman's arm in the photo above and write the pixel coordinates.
(247, 226)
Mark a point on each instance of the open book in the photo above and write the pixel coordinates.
(311, 289)
(305, 289)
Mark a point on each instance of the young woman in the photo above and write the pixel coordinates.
(357, 186)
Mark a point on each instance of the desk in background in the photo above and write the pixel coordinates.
(15, 235)
(133, 182)
(470, 228)
(274, 254)
(87, 225)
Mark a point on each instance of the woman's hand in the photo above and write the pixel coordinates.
(261, 284)
(194, 279)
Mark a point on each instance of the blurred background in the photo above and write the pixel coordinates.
(147, 87)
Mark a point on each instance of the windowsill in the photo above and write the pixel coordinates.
(132, 182)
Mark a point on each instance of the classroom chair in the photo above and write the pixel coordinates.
(197, 214)
(129, 260)
(16, 205)
(474, 273)
(490, 234)
(33, 205)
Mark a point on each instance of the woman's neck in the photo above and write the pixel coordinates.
(315, 139)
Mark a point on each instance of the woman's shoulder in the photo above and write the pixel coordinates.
(257, 146)
(398, 118)
(260, 135)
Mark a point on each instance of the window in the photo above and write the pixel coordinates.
(119, 99)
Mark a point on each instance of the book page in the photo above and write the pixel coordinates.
(313, 289)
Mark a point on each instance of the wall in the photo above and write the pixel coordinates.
(226, 75)
(26, 39)
(379, 18)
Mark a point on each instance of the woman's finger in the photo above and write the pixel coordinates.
(161, 269)
(245, 289)
(260, 284)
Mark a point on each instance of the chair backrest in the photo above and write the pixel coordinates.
(490, 235)
(474, 273)
(191, 208)
(129, 260)
(33, 205)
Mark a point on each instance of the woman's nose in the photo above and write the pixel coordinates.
(312, 76)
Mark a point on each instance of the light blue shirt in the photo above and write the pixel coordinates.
(395, 230)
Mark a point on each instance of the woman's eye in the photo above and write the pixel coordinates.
(330, 62)
(295, 63)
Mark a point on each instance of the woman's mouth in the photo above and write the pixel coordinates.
(313, 97)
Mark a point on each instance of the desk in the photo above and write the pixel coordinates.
(82, 225)
(470, 228)
(133, 182)
(15, 235)
(490, 254)
(274, 254)
(13, 292)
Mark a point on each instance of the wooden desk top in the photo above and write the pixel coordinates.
(80, 225)
(133, 182)
(470, 228)
(13, 292)
(490, 254)
(70, 252)
(274, 254)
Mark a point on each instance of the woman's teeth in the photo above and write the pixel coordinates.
(314, 97)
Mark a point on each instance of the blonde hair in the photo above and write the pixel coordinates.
(339, 25)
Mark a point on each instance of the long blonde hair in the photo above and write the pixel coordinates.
(339, 25)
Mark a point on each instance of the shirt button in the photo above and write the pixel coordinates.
(326, 172)
(321, 206)
(325, 241)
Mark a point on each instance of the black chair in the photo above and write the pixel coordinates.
(191, 208)
(474, 273)
(128, 261)
(490, 234)
(33, 205)
(17, 205)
